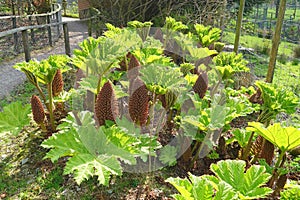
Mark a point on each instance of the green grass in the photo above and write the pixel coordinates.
(21, 93)
(288, 75)
(287, 71)
(271, 13)
(254, 42)
(288, 13)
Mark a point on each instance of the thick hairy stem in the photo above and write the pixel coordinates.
(44, 129)
(51, 106)
(195, 151)
(215, 88)
(262, 117)
(197, 144)
(99, 84)
(278, 164)
(151, 133)
(42, 95)
(126, 62)
(246, 151)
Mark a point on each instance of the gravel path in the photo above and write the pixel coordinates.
(10, 78)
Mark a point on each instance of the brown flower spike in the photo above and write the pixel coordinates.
(57, 83)
(37, 109)
(106, 106)
(139, 103)
(201, 84)
(133, 67)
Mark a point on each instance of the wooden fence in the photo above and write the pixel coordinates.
(47, 29)
(44, 30)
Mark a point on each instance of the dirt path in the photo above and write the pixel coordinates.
(10, 78)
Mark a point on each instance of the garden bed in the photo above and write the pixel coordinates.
(148, 117)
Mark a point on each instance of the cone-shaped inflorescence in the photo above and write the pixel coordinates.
(267, 152)
(131, 63)
(256, 97)
(79, 76)
(263, 148)
(201, 85)
(37, 109)
(57, 83)
(159, 35)
(139, 103)
(257, 146)
(106, 106)
(133, 67)
(122, 63)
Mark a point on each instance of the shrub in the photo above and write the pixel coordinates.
(297, 52)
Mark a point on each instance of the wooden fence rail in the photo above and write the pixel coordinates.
(41, 26)
(50, 27)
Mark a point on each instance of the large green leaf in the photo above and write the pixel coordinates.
(14, 117)
(285, 138)
(86, 47)
(229, 63)
(128, 137)
(85, 166)
(96, 151)
(207, 35)
(173, 25)
(45, 70)
(225, 192)
(248, 185)
(98, 144)
(159, 79)
(183, 186)
(241, 136)
(199, 53)
(85, 161)
(168, 155)
(277, 99)
(64, 144)
(202, 187)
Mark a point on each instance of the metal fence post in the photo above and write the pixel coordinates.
(26, 46)
(66, 39)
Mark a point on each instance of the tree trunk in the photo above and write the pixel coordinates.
(239, 26)
(276, 41)
(277, 4)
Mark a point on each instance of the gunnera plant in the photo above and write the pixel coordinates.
(201, 85)
(139, 103)
(38, 111)
(133, 65)
(57, 83)
(106, 106)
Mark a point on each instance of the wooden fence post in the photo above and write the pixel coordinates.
(26, 45)
(90, 27)
(49, 30)
(31, 31)
(57, 20)
(14, 24)
(66, 39)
